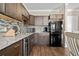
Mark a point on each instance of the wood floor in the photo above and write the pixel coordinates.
(47, 51)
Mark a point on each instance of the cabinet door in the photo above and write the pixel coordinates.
(17, 48)
(38, 20)
(27, 14)
(13, 50)
(36, 39)
(44, 39)
(41, 39)
(31, 40)
(45, 20)
(25, 20)
(2, 7)
(32, 20)
(11, 9)
(19, 11)
(24, 17)
(23, 11)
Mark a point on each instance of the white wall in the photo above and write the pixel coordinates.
(68, 24)
(71, 23)
(75, 23)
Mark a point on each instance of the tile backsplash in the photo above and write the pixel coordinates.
(30, 30)
(36, 29)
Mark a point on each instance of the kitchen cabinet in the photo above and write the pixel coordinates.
(45, 20)
(16, 11)
(41, 20)
(25, 12)
(38, 20)
(32, 20)
(12, 50)
(2, 7)
(24, 16)
(19, 11)
(11, 9)
(31, 40)
(25, 20)
(57, 17)
(41, 39)
(35, 39)
(22, 13)
(27, 45)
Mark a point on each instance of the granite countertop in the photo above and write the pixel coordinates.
(6, 41)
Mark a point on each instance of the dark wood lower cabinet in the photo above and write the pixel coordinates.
(12, 50)
(41, 39)
(30, 43)
(17, 49)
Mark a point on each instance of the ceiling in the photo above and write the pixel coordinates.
(42, 9)
(73, 6)
(45, 9)
(43, 6)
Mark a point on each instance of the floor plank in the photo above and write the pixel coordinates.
(47, 51)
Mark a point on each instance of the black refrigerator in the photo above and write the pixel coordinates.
(55, 33)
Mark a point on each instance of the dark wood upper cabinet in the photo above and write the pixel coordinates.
(19, 11)
(25, 20)
(15, 10)
(11, 9)
(2, 7)
(32, 20)
(25, 12)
